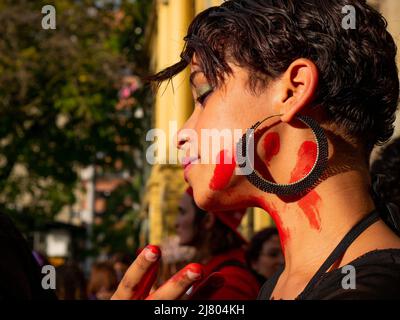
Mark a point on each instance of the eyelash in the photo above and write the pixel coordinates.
(203, 97)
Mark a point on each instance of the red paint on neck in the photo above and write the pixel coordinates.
(306, 158)
(309, 204)
(284, 234)
(271, 145)
(223, 171)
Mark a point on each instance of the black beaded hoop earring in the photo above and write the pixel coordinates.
(297, 187)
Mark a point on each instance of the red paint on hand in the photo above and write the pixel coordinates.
(142, 289)
(223, 171)
(191, 270)
(154, 249)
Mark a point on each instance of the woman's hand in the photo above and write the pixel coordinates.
(139, 278)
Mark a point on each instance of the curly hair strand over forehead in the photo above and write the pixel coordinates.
(358, 86)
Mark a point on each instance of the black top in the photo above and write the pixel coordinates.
(20, 276)
(376, 274)
(377, 277)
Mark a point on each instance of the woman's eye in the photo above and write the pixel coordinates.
(203, 97)
(204, 94)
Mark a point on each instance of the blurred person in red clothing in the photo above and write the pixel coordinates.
(219, 247)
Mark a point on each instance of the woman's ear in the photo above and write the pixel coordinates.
(297, 88)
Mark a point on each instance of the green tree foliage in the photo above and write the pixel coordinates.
(58, 97)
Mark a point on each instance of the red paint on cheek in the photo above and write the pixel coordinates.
(195, 268)
(271, 145)
(223, 171)
(306, 158)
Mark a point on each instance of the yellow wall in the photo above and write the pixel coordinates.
(204, 4)
(173, 103)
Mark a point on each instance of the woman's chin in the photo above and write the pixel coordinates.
(210, 200)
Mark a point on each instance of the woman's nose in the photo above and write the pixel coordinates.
(187, 133)
(182, 138)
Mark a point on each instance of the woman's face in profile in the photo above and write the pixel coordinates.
(220, 117)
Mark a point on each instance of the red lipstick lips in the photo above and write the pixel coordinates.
(187, 162)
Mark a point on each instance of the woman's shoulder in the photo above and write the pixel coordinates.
(374, 275)
(380, 256)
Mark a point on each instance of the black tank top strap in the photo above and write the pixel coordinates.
(341, 249)
(269, 286)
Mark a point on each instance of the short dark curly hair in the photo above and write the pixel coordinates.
(359, 84)
(387, 166)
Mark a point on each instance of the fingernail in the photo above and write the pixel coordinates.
(152, 253)
(193, 275)
(194, 271)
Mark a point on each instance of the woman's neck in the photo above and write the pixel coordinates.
(312, 226)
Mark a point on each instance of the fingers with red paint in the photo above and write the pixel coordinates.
(140, 276)
(179, 284)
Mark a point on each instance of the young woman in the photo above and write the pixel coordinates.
(318, 96)
(219, 247)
